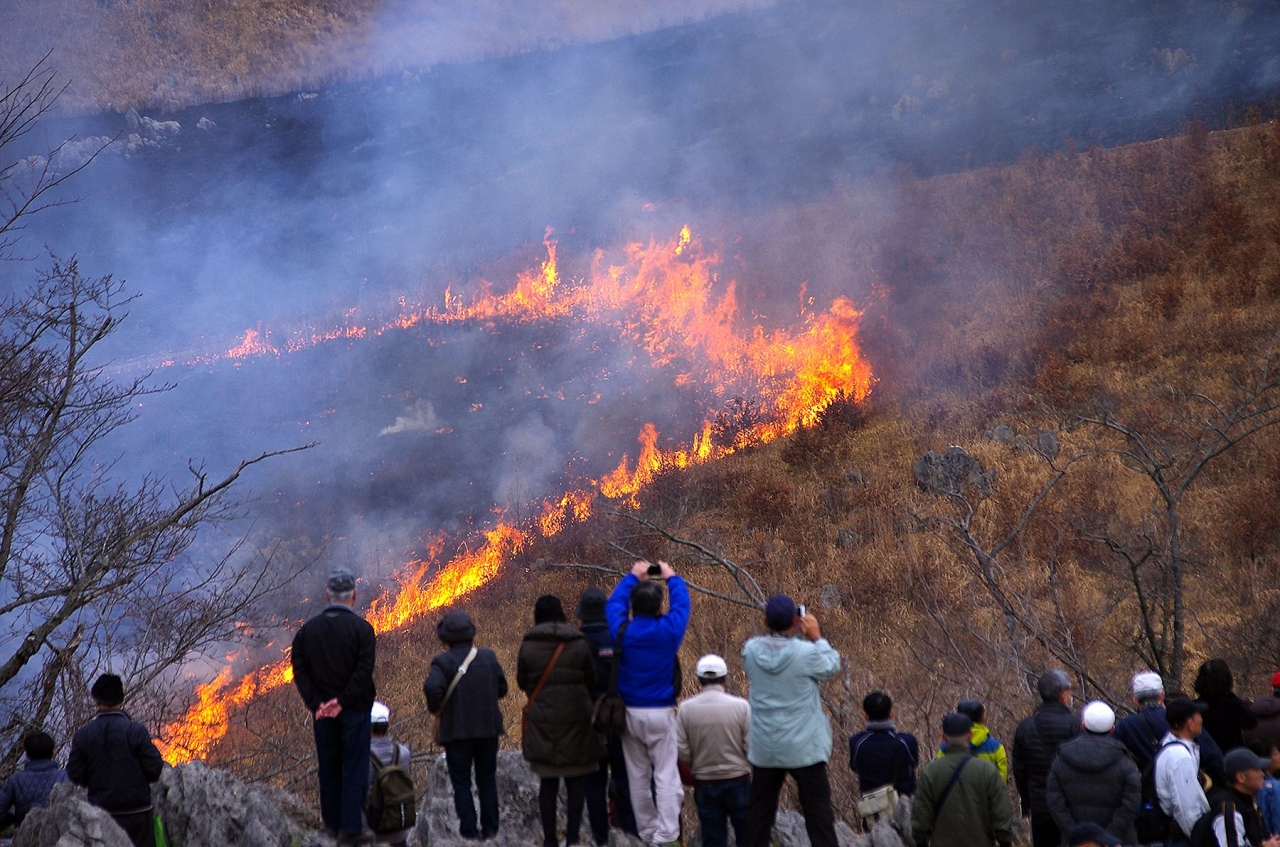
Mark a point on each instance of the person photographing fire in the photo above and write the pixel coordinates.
(647, 642)
(333, 657)
(790, 734)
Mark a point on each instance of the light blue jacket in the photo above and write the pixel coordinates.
(788, 727)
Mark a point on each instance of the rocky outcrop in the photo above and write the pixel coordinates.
(69, 821)
(202, 807)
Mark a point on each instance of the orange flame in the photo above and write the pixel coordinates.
(663, 296)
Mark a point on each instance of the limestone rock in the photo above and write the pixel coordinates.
(517, 804)
(69, 820)
(954, 472)
(202, 807)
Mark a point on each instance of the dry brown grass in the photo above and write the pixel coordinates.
(1042, 284)
(173, 53)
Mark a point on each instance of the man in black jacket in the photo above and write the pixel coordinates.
(1035, 744)
(1094, 780)
(333, 657)
(881, 756)
(463, 687)
(611, 781)
(112, 756)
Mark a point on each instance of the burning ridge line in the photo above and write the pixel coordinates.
(663, 293)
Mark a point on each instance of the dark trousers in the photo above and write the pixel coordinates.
(596, 788)
(548, 791)
(1044, 831)
(619, 788)
(718, 803)
(483, 754)
(140, 827)
(342, 754)
(815, 804)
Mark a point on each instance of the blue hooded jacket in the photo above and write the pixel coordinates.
(649, 645)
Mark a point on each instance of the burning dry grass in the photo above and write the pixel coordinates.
(174, 53)
(1007, 293)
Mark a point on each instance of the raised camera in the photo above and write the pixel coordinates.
(655, 570)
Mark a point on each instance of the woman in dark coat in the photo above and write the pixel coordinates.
(1228, 717)
(558, 739)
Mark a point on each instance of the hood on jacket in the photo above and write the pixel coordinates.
(1092, 753)
(553, 631)
(591, 606)
(456, 628)
(772, 653)
(980, 734)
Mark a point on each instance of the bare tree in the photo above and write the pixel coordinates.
(1170, 439)
(96, 572)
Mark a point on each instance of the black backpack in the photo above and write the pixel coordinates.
(392, 803)
(1152, 823)
(1202, 833)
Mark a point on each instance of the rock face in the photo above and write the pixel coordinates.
(202, 807)
(955, 472)
(69, 821)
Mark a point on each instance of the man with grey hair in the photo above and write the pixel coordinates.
(960, 799)
(333, 658)
(1035, 744)
(1143, 731)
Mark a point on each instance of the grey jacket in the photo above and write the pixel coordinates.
(1093, 779)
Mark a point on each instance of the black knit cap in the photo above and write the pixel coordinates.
(548, 608)
(108, 690)
(591, 606)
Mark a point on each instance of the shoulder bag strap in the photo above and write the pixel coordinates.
(617, 657)
(946, 792)
(537, 689)
(457, 677)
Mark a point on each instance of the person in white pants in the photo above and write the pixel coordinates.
(647, 642)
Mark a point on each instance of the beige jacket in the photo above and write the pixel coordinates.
(712, 734)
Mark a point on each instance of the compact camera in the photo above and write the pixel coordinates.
(655, 570)
(801, 611)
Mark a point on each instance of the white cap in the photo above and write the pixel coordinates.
(380, 713)
(712, 666)
(1098, 717)
(1147, 683)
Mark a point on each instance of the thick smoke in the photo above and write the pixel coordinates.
(286, 213)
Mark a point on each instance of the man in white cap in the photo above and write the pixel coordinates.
(1093, 780)
(383, 752)
(711, 736)
(1143, 731)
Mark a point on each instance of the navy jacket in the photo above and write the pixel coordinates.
(1142, 731)
(28, 789)
(113, 757)
(880, 755)
(602, 645)
(333, 656)
(472, 710)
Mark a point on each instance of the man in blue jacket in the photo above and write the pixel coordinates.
(790, 734)
(646, 674)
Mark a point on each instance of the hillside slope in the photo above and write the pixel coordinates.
(1017, 308)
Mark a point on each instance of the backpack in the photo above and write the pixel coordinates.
(1152, 824)
(392, 804)
(1202, 833)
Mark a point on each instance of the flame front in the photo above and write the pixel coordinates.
(663, 297)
